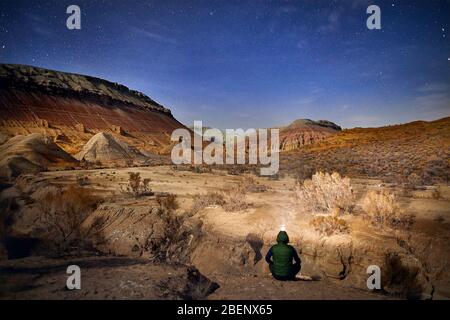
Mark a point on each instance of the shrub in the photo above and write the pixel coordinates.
(63, 213)
(136, 186)
(329, 225)
(167, 202)
(326, 192)
(383, 209)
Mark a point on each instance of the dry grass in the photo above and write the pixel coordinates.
(325, 192)
(329, 225)
(383, 209)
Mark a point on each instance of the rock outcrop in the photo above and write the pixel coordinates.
(304, 132)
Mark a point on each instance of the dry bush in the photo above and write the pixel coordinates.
(167, 202)
(136, 186)
(205, 200)
(63, 213)
(383, 209)
(329, 225)
(326, 192)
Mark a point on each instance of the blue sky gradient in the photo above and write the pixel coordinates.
(249, 63)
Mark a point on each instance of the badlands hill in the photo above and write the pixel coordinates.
(303, 132)
(107, 149)
(71, 108)
(416, 152)
(30, 154)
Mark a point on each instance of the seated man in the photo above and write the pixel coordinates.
(280, 259)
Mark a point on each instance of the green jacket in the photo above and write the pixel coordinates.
(283, 256)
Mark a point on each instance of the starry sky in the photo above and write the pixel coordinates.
(249, 63)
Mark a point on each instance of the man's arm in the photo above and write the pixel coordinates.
(269, 256)
(296, 257)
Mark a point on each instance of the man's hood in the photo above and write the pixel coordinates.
(283, 237)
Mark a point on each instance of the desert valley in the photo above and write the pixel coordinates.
(86, 178)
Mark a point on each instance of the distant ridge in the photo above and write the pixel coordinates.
(303, 132)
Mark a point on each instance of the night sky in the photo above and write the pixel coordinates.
(249, 63)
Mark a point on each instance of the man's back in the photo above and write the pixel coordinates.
(282, 258)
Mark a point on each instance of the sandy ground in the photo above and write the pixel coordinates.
(125, 278)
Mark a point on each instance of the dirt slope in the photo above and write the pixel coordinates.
(31, 153)
(106, 149)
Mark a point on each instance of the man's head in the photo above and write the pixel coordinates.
(283, 237)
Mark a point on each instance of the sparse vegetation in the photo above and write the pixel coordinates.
(232, 198)
(138, 187)
(63, 213)
(326, 192)
(329, 225)
(235, 198)
(383, 209)
(391, 153)
(205, 200)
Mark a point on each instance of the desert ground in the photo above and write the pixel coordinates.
(189, 233)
